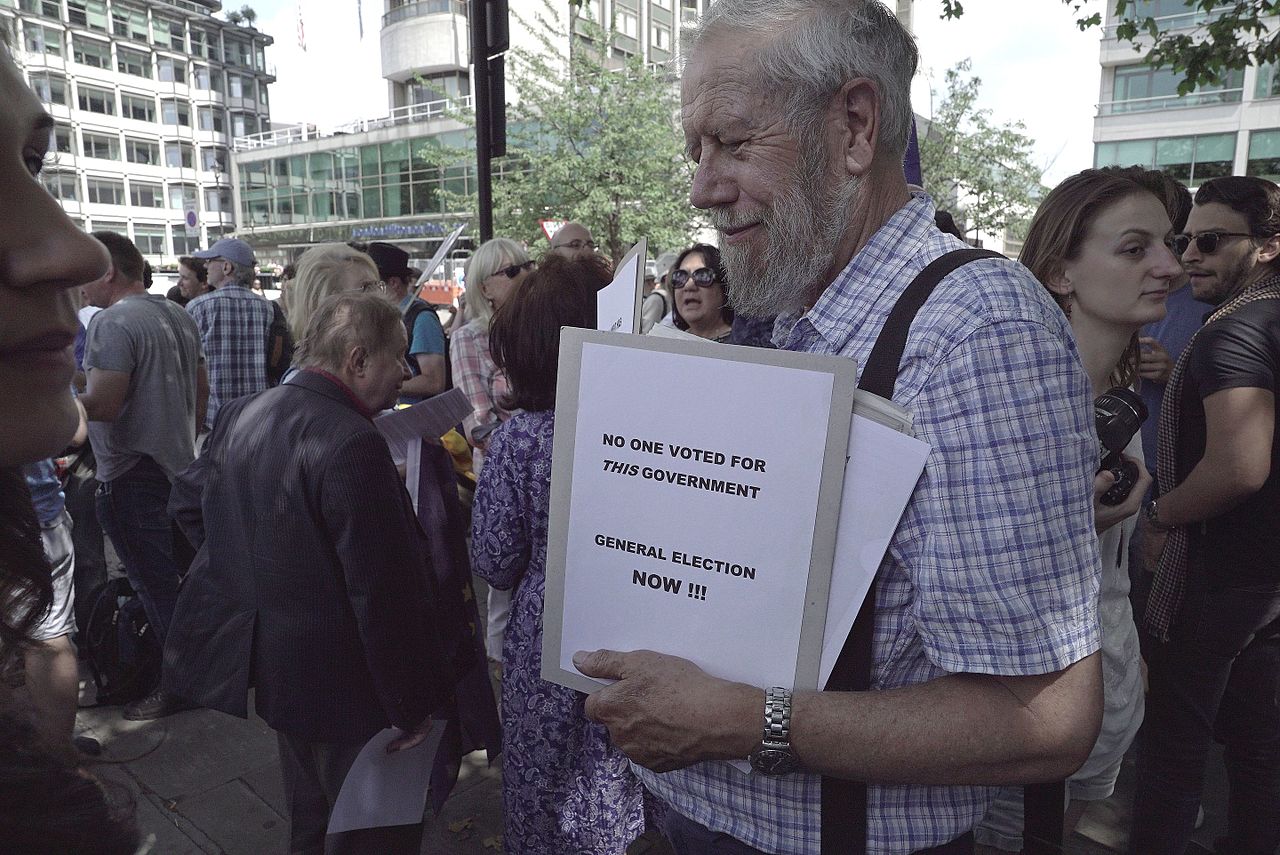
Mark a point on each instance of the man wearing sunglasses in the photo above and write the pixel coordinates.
(1215, 599)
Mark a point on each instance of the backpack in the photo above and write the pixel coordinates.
(416, 307)
(119, 645)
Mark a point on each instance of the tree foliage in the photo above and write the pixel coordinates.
(588, 141)
(986, 170)
(1213, 37)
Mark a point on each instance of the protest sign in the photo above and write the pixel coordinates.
(694, 505)
(618, 303)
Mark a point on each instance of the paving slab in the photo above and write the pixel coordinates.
(236, 819)
(163, 831)
(267, 784)
(202, 749)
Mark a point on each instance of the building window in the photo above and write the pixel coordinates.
(129, 23)
(236, 86)
(238, 53)
(242, 124)
(60, 139)
(1192, 160)
(89, 52)
(217, 199)
(663, 4)
(138, 107)
(40, 39)
(145, 195)
(627, 23)
(661, 37)
(1264, 154)
(213, 159)
(182, 196)
(88, 13)
(182, 244)
(200, 76)
(120, 227)
(210, 119)
(179, 154)
(61, 185)
(204, 44)
(175, 112)
(142, 151)
(50, 88)
(1140, 87)
(149, 239)
(171, 70)
(100, 145)
(44, 8)
(106, 191)
(133, 62)
(96, 100)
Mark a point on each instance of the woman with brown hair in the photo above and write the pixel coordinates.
(565, 787)
(1100, 244)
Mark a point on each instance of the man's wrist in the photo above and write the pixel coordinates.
(1152, 514)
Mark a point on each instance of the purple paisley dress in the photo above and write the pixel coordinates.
(565, 788)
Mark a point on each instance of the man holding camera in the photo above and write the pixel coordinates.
(1215, 600)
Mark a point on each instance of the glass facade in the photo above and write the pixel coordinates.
(1190, 159)
(1264, 154)
(373, 181)
(1139, 88)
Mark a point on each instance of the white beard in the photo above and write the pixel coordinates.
(801, 228)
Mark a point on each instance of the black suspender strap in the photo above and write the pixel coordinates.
(844, 802)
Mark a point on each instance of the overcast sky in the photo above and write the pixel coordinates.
(1035, 66)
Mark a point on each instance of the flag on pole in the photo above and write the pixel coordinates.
(302, 33)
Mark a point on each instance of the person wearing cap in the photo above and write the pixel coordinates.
(426, 351)
(235, 324)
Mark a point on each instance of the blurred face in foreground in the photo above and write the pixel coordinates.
(42, 256)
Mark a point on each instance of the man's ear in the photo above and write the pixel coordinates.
(1270, 250)
(358, 360)
(857, 107)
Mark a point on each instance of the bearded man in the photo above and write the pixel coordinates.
(984, 667)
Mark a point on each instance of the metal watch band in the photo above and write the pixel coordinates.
(777, 716)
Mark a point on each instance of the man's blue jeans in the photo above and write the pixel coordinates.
(133, 510)
(1220, 665)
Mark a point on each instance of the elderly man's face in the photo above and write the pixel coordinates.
(574, 242)
(774, 198)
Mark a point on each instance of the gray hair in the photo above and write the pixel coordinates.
(321, 273)
(243, 274)
(347, 320)
(810, 48)
(488, 259)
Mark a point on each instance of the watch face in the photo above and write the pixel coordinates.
(773, 761)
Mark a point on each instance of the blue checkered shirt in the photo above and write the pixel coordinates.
(235, 327)
(994, 567)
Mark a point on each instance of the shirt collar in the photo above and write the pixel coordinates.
(345, 390)
(872, 274)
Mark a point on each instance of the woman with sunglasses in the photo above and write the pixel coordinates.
(1099, 244)
(701, 292)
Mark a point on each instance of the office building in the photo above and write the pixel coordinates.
(146, 96)
(1232, 128)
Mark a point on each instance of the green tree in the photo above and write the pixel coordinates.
(987, 169)
(1213, 37)
(591, 140)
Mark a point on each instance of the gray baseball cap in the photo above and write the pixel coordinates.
(232, 249)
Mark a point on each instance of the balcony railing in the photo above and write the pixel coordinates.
(399, 116)
(1180, 21)
(1171, 102)
(423, 7)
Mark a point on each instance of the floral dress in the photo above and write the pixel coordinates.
(565, 787)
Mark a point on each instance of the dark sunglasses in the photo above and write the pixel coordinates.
(513, 271)
(1206, 242)
(703, 277)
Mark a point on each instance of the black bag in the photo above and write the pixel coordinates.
(119, 645)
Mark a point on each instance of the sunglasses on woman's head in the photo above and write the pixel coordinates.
(512, 271)
(1206, 242)
(703, 277)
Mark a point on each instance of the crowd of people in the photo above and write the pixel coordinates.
(1045, 605)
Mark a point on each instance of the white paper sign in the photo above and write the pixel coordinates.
(430, 418)
(884, 466)
(691, 519)
(384, 789)
(618, 303)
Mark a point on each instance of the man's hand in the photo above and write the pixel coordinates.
(410, 738)
(1152, 546)
(1105, 516)
(1154, 362)
(666, 713)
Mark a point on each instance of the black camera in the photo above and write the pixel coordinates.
(1118, 414)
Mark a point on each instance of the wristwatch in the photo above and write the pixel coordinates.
(1152, 513)
(774, 756)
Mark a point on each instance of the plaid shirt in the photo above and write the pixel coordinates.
(476, 375)
(994, 566)
(235, 326)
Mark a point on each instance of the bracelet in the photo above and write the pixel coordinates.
(1152, 513)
